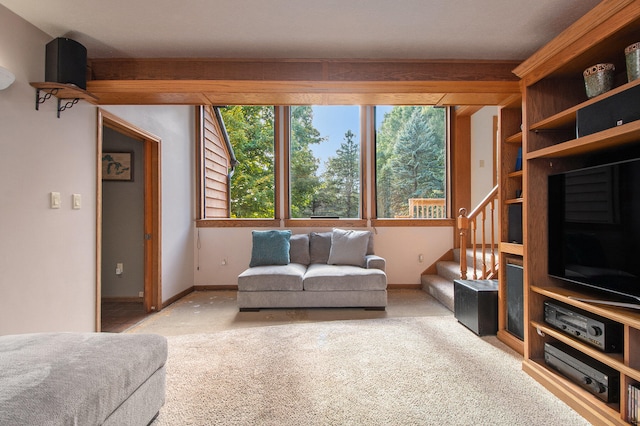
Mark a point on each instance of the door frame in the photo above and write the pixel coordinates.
(152, 300)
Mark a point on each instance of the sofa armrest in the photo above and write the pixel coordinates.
(375, 262)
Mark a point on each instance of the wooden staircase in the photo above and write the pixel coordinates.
(480, 256)
(440, 284)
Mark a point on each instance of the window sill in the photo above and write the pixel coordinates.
(320, 223)
(237, 223)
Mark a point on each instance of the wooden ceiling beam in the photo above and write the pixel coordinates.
(300, 70)
(301, 82)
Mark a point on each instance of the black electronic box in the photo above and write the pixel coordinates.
(592, 375)
(602, 333)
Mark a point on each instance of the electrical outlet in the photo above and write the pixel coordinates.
(224, 262)
(420, 258)
(119, 268)
(141, 294)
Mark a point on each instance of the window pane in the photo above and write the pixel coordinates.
(250, 130)
(410, 162)
(325, 161)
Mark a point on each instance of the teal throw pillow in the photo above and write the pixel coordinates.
(270, 248)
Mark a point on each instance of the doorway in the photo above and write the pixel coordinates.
(144, 220)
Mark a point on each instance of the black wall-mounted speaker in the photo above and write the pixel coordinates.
(66, 62)
(515, 223)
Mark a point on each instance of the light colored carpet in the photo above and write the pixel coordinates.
(397, 371)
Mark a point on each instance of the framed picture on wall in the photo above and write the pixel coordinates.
(117, 166)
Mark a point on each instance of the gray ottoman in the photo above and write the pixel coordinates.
(81, 378)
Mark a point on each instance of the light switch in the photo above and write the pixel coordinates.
(76, 201)
(55, 200)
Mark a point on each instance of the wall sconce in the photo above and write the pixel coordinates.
(6, 78)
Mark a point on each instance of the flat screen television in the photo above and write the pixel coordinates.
(594, 230)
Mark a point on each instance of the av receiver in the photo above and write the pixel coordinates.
(594, 376)
(602, 333)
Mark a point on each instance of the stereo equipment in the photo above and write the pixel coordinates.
(602, 333)
(515, 300)
(66, 62)
(515, 223)
(613, 111)
(594, 376)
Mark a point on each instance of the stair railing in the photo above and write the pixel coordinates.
(468, 224)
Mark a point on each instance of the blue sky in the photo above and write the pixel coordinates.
(333, 122)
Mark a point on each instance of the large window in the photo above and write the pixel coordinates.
(324, 162)
(410, 162)
(250, 131)
(323, 171)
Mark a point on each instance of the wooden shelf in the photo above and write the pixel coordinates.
(567, 118)
(568, 296)
(516, 174)
(594, 410)
(616, 136)
(514, 201)
(516, 139)
(512, 248)
(67, 92)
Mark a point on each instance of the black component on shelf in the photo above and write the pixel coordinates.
(621, 108)
(515, 223)
(603, 333)
(592, 375)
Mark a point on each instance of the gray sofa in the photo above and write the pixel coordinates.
(335, 269)
(81, 378)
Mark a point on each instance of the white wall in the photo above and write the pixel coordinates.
(400, 246)
(47, 256)
(174, 125)
(482, 152)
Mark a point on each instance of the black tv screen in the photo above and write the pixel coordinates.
(594, 228)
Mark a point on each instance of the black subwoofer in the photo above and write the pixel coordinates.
(66, 62)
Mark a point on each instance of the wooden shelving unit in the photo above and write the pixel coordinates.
(553, 89)
(511, 179)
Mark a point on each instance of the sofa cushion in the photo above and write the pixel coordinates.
(270, 248)
(272, 277)
(343, 277)
(299, 250)
(348, 247)
(75, 378)
(319, 247)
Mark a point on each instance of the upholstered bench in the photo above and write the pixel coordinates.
(81, 378)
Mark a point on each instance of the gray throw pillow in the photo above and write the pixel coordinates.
(319, 247)
(299, 251)
(348, 247)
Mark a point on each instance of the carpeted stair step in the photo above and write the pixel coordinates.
(440, 288)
